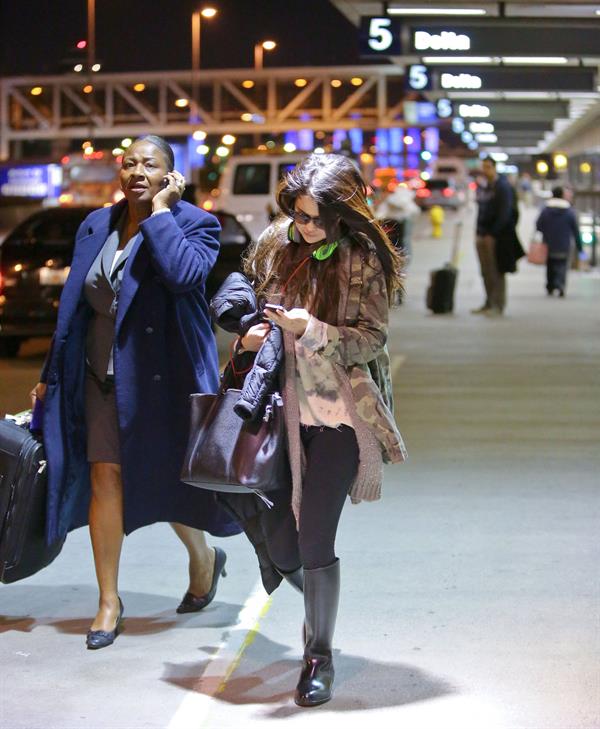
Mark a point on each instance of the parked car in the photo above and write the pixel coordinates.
(34, 264)
(439, 191)
(248, 185)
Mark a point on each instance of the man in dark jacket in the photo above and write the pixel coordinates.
(497, 243)
(558, 225)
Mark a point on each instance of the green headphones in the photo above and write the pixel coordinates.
(322, 253)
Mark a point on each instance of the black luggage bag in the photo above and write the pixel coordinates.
(23, 485)
(440, 294)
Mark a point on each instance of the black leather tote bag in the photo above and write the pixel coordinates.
(228, 454)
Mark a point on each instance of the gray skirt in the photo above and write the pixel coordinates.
(102, 422)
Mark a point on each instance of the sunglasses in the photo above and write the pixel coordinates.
(305, 219)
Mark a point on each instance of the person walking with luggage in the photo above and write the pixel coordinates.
(325, 273)
(498, 247)
(133, 340)
(558, 225)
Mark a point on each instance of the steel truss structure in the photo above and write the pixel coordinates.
(237, 101)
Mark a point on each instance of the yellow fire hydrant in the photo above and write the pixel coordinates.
(436, 215)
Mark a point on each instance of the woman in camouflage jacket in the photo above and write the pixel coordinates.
(333, 272)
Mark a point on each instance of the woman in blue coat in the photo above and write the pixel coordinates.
(133, 340)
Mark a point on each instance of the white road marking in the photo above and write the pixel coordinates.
(194, 709)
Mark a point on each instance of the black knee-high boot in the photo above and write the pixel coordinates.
(295, 578)
(321, 598)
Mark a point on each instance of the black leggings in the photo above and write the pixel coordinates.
(331, 466)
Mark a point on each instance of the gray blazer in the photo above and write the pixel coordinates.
(102, 294)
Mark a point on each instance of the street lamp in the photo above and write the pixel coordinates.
(196, 27)
(259, 49)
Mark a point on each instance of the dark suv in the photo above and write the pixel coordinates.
(34, 264)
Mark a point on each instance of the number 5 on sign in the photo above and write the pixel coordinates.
(379, 36)
(418, 77)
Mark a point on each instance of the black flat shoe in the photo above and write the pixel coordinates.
(96, 639)
(191, 603)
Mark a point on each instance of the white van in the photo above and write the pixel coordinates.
(247, 187)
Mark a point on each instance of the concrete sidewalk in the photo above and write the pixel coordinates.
(470, 591)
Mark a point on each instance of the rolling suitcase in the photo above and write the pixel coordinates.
(23, 483)
(440, 294)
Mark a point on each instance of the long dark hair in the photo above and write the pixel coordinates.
(335, 184)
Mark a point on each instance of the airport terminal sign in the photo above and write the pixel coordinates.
(38, 181)
(385, 36)
(495, 78)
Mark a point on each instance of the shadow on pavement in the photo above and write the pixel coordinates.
(145, 613)
(360, 683)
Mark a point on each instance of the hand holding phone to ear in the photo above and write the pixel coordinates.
(171, 192)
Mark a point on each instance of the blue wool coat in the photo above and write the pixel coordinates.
(164, 350)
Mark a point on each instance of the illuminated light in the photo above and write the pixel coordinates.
(269, 45)
(585, 167)
(499, 156)
(49, 263)
(117, 151)
(425, 176)
(541, 167)
(65, 198)
(270, 144)
(262, 148)
(202, 149)
(139, 87)
(289, 147)
(336, 83)
(246, 116)
(425, 155)
(320, 135)
(248, 84)
(119, 159)
(215, 192)
(447, 40)
(208, 204)
(199, 135)
(392, 186)
(366, 158)
(447, 192)
(222, 151)
(479, 60)
(437, 11)
(560, 161)
(88, 151)
(300, 82)
(65, 160)
(118, 195)
(182, 103)
(81, 44)
(36, 90)
(96, 67)
(88, 88)
(482, 127)
(408, 139)
(107, 205)
(356, 81)
(78, 67)
(319, 150)
(536, 60)
(423, 192)
(86, 144)
(126, 142)
(18, 267)
(208, 12)
(228, 139)
(377, 183)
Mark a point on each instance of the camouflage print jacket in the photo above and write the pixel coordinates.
(357, 347)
